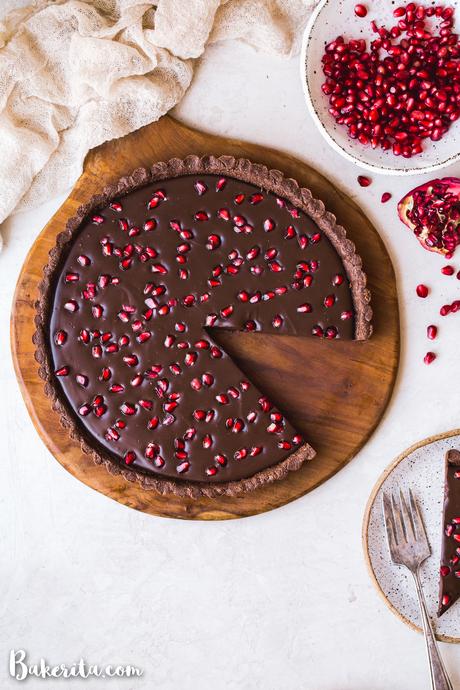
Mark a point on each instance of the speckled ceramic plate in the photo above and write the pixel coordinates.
(334, 17)
(420, 468)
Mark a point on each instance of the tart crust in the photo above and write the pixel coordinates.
(240, 168)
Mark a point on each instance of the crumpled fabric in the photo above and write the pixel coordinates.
(75, 73)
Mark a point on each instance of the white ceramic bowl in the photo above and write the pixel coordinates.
(336, 17)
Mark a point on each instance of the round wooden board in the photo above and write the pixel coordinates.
(365, 528)
(333, 392)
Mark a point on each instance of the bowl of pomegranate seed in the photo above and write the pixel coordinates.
(382, 82)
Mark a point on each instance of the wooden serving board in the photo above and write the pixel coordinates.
(333, 392)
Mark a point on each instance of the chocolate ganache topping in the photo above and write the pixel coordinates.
(133, 298)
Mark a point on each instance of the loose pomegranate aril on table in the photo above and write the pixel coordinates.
(429, 357)
(402, 88)
(386, 196)
(448, 270)
(360, 10)
(364, 181)
(422, 291)
(432, 332)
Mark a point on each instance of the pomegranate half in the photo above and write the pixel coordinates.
(432, 212)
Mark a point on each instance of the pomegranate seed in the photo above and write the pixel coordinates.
(422, 290)
(360, 10)
(445, 600)
(448, 270)
(190, 359)
(71, 306)
(129, 457)
(445, 310)
(128, 409)
(269, 225)
(338, 280)
(432, 332)
(202, 345)
(200, 187)
(158, 268)
(151, 451)
(130, 360)
(60, 337)
(331, 332)
(226, 312)
(238, 426)
(386, 196)
(62, 371)
(429, 357)
(208, 379)
(364, 181)
(275, 266)
(444, 570)
(71, 277)
(196, 384)
(100, 410)
(213, 242)
(82, 380)
(329, 301)
(188, 301)
(304, 308)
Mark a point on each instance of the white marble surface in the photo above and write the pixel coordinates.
(281, 601)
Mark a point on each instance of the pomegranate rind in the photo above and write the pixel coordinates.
(445, 237)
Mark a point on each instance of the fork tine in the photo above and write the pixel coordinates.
(397, 520)
(408, 524)
(417, 518)
(388, 515)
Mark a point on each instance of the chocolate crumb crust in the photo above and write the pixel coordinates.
(270, 181)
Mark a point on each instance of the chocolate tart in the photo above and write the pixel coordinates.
(132, 298)
(449, 588)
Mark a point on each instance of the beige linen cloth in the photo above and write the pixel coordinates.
(75, 73)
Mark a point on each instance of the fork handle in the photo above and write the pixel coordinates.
(439, 678)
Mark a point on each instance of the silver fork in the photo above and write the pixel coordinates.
(409, 546)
